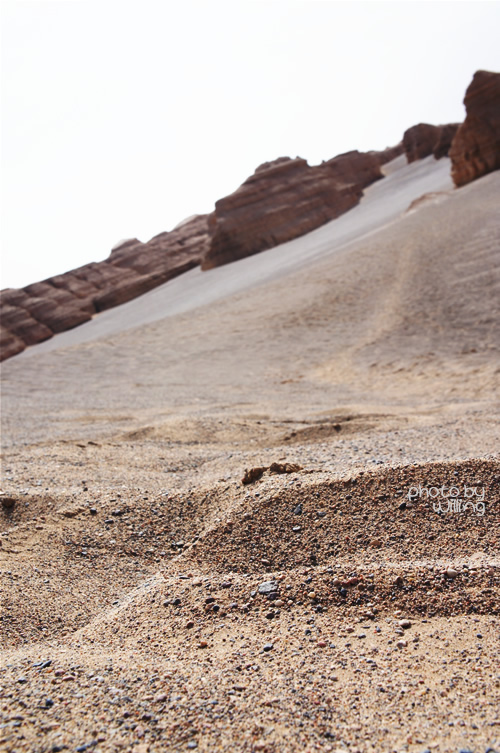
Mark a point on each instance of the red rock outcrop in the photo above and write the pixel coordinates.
(19, 321)
(10, 344)
(424, 139)
(36, 312)
(388, 154)
(284, 199)
(445, 138)
(355, 168)
(32, 311)
(475, 150)
(419, 140)
(166, 252)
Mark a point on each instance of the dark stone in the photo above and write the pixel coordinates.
(268, 587)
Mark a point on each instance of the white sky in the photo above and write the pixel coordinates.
(122, 117)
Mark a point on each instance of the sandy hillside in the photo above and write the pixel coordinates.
(152, 601)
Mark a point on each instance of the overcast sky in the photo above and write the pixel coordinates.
(122, 117)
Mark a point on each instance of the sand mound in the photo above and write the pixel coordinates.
(363, 520)
(285, 523)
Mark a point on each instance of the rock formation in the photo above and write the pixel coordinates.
(284, 199)
(388, 154)
(10, 345)
(445, 137)
(424, 139)
(475, 150)
(34, 313)
(355, 168)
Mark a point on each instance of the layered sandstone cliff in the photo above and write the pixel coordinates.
(36, 312)
(422, 140)
(475, 150)
(386, 155)
(284, 199)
